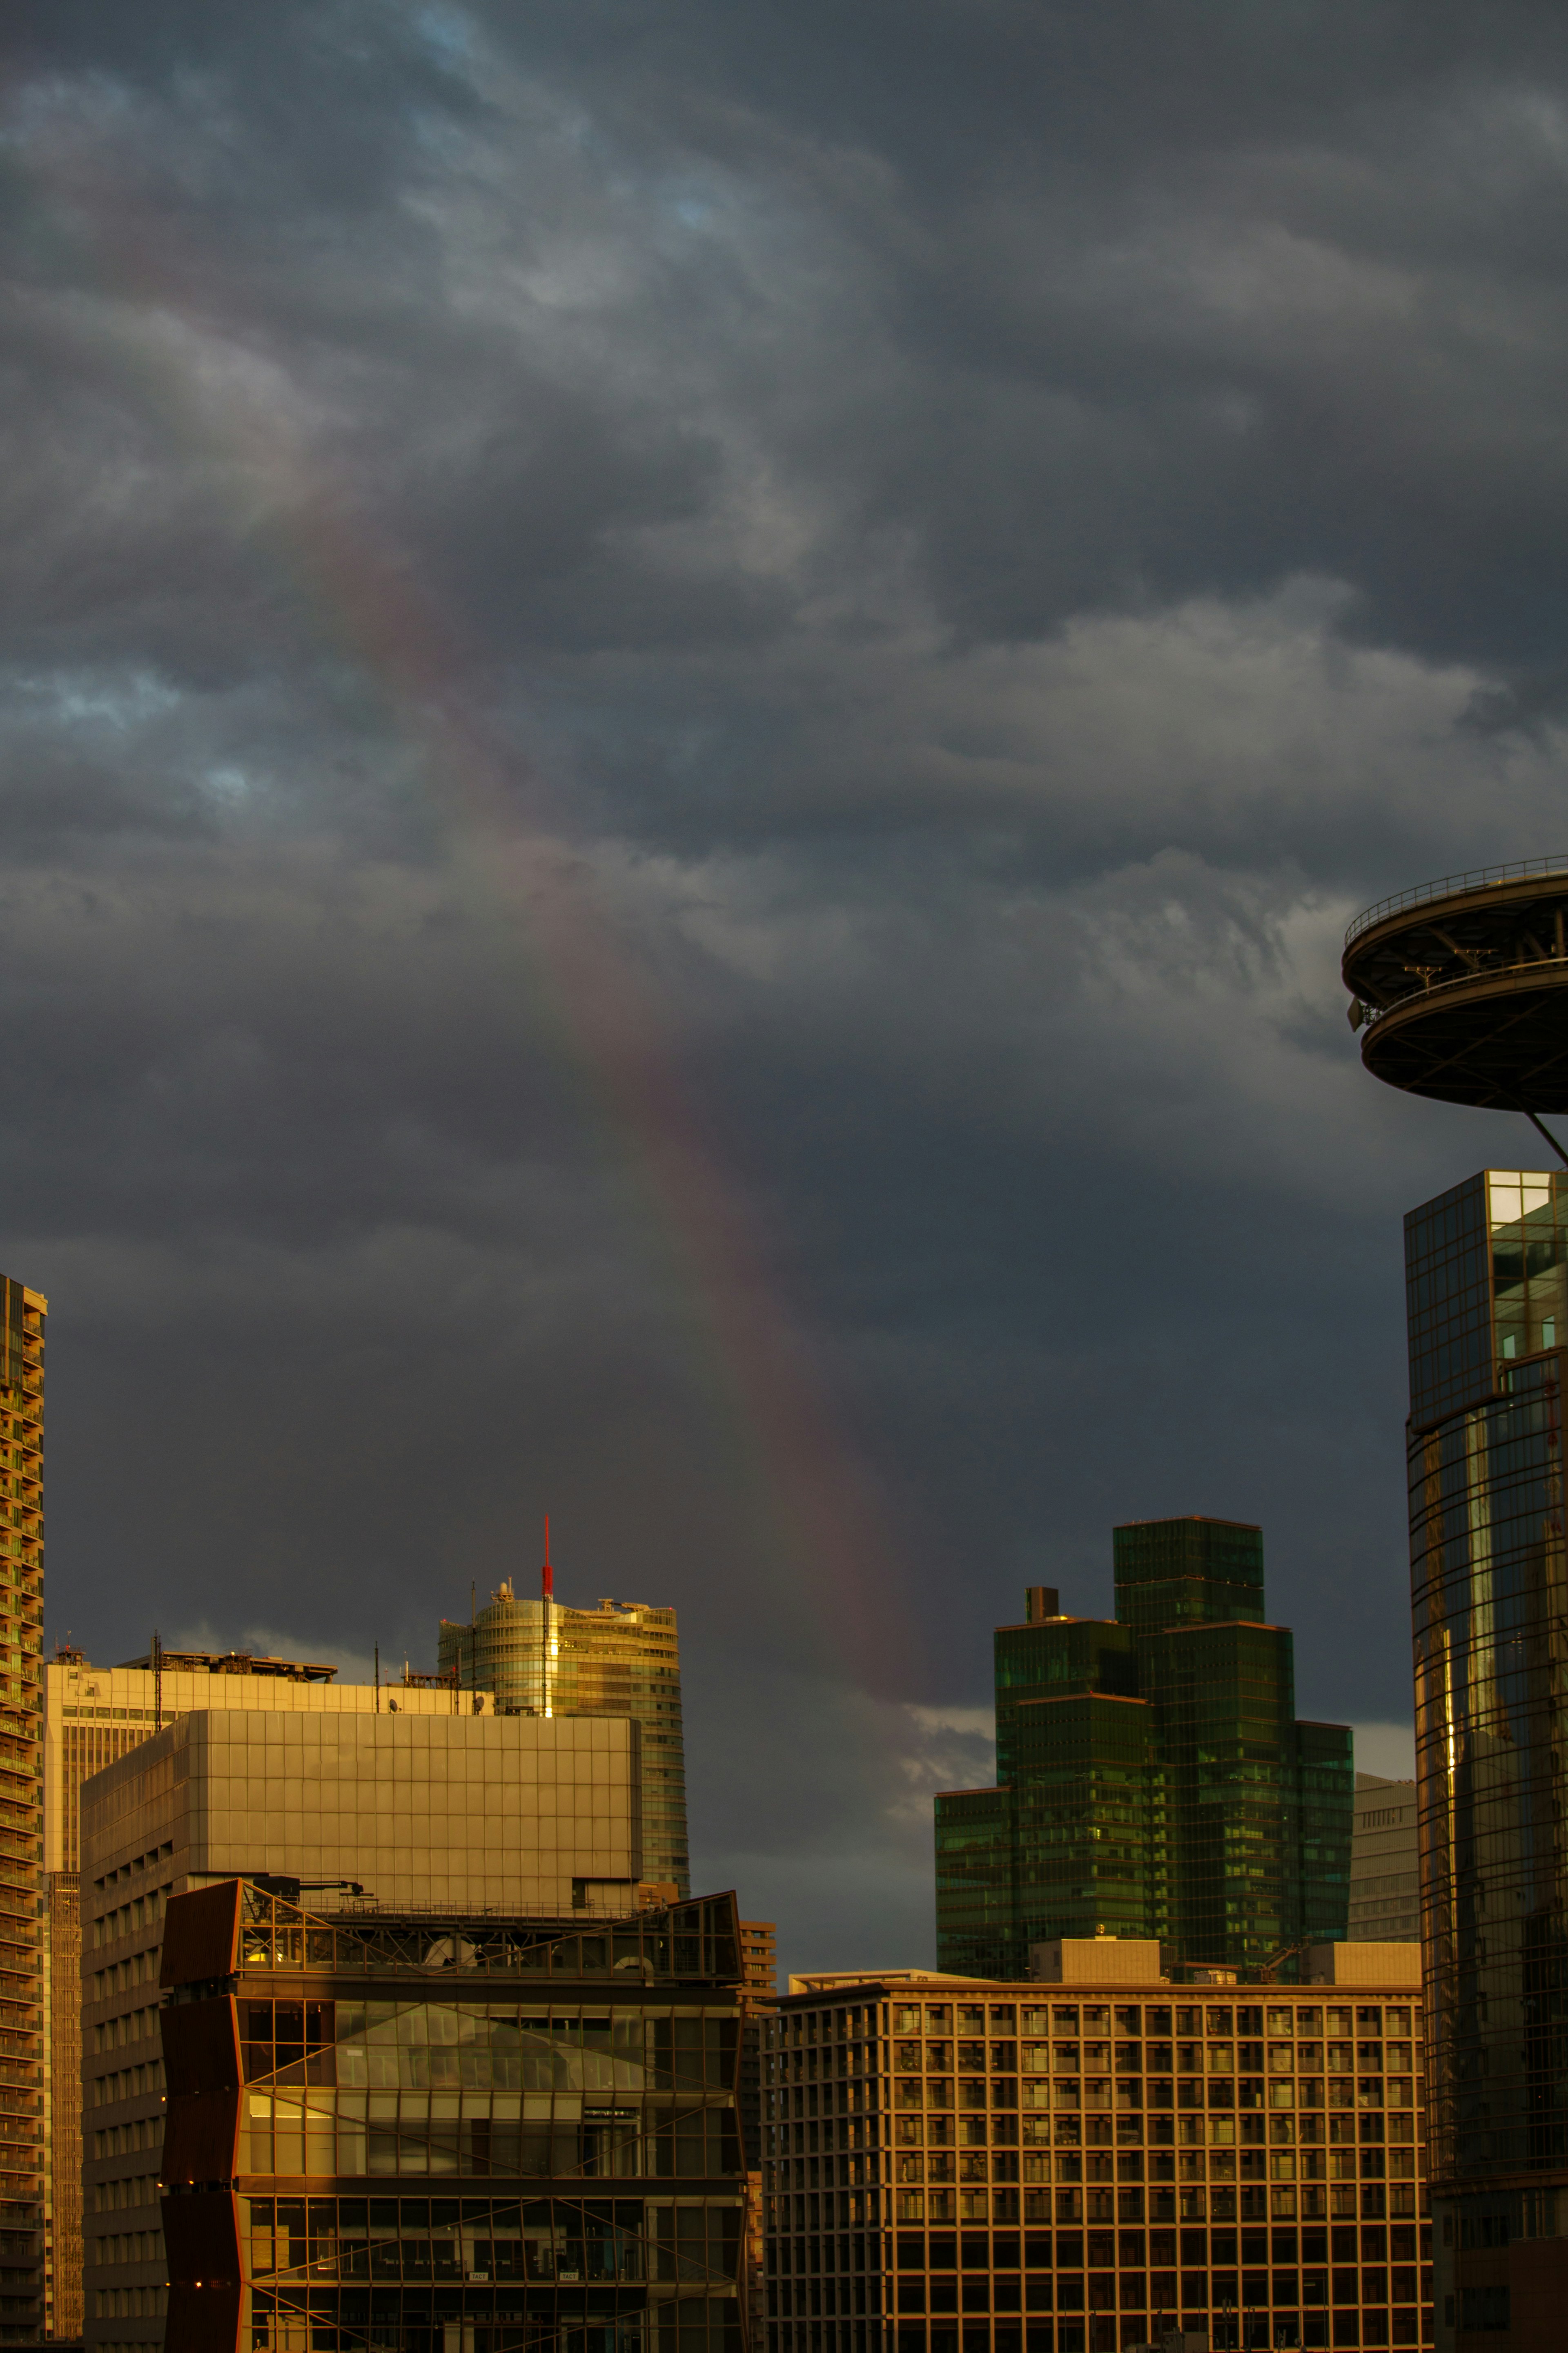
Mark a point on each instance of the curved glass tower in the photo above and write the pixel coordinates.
(1461, 992)
(540, 1658)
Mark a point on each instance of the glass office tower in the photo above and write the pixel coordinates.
(540, 1658)
(1486, 1268)
(1153, 1780)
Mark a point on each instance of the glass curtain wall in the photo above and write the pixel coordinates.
(1486, 1266)
(1153, 1780)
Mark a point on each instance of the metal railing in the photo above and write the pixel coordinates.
(1532, 970)
(1451, 885)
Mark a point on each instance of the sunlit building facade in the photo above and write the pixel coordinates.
(28, 1917)
(471, 1813)
(542, 1658)
(1152, 1777)
(1487, 1270)
(92, 1718)
(440, 2132)
(1087, 2166)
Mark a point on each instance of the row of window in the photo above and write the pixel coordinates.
(128, 2084)
(128, 2247)
(143, 1911)
(1364, 2058)
(798, 2030)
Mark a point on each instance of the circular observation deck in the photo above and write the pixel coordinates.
(1460, 988)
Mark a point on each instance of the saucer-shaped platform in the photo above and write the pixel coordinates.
(1460, 988)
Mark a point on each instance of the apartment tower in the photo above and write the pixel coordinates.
(1153, 1780)
(542, 1658)
(27, 1918)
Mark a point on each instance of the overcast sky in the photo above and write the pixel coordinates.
(692, 699)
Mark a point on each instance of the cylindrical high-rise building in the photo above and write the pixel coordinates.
(1461, 992)
(540, 1658)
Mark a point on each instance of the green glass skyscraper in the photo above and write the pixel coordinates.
(1153, 1780)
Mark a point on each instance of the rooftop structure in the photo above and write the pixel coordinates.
(1459, 987)
(235, 1663)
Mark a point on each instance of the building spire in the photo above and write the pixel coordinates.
(547, 1573)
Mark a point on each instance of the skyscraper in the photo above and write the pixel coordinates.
(542, 1657)
(23, 1923)
(1459, 991)
(1486, 1266)
(1153, 1779)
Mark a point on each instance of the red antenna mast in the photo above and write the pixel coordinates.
(547, 1572)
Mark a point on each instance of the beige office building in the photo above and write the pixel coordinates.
(1103, 2161)
(1385, 1888)
(93, 1715)
(513, 1815)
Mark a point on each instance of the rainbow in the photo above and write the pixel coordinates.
(823, 1527)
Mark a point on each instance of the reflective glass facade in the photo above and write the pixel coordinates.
(1487, 1264)
(540, 1658)
(1022, 2168)
(421, 2133)
(1153, 1780)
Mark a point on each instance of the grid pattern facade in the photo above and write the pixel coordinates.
(540, 1658)
(1022, 2169)
(434, 2133)
(23, 2016)
(1153, 1781)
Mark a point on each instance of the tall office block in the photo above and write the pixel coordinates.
(542, 1657)
(1488, 1266)
(470, 1814)
(26, 1916)
(1385, 1884)
(92, 1716)
(1460, 992)
(1152, 1777)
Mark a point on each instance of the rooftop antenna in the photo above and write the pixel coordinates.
(157, 1678)
(378, 1679)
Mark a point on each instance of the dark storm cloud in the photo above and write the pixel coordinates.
(975, 537)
